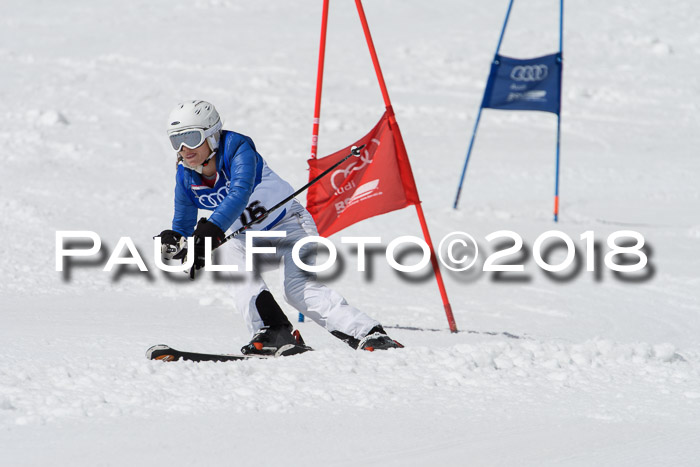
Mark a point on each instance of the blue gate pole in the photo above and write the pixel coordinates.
(556, 175)
(466, 161)
(478, 117)
(561, 52)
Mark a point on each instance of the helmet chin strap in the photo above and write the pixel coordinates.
(199, 168)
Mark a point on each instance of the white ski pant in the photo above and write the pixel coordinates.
(314, 300)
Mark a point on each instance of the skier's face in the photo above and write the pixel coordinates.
(197, 156)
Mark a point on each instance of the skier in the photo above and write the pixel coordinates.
(221, 171)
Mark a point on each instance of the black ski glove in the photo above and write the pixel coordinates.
(203, 230)
(172, 245)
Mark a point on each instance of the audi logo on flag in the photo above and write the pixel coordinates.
(365, 159)
(529, 73)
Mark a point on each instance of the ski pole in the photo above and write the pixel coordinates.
(355, 151)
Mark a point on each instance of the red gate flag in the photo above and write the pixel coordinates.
(380, 181)
(376, 182)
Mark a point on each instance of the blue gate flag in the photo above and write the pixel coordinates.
(524, 84)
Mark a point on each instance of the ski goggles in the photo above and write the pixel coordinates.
(192, 138)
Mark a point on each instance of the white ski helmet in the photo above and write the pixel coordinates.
(195, 115)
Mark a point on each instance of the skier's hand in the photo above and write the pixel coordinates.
(172, 245)
(205, 229)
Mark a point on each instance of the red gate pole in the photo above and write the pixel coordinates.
(319, 88)
(319, 80)
(407, 173)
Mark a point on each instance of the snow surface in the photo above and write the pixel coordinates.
(592, 370)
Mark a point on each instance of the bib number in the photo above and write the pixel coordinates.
(253, 212)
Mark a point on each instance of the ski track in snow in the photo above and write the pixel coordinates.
(469, 376)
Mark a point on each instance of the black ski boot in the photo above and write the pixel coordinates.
(377, 339)
(275, 341)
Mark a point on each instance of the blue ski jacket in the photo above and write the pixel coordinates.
(239, 170)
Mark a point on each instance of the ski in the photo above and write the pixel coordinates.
(165, 353)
